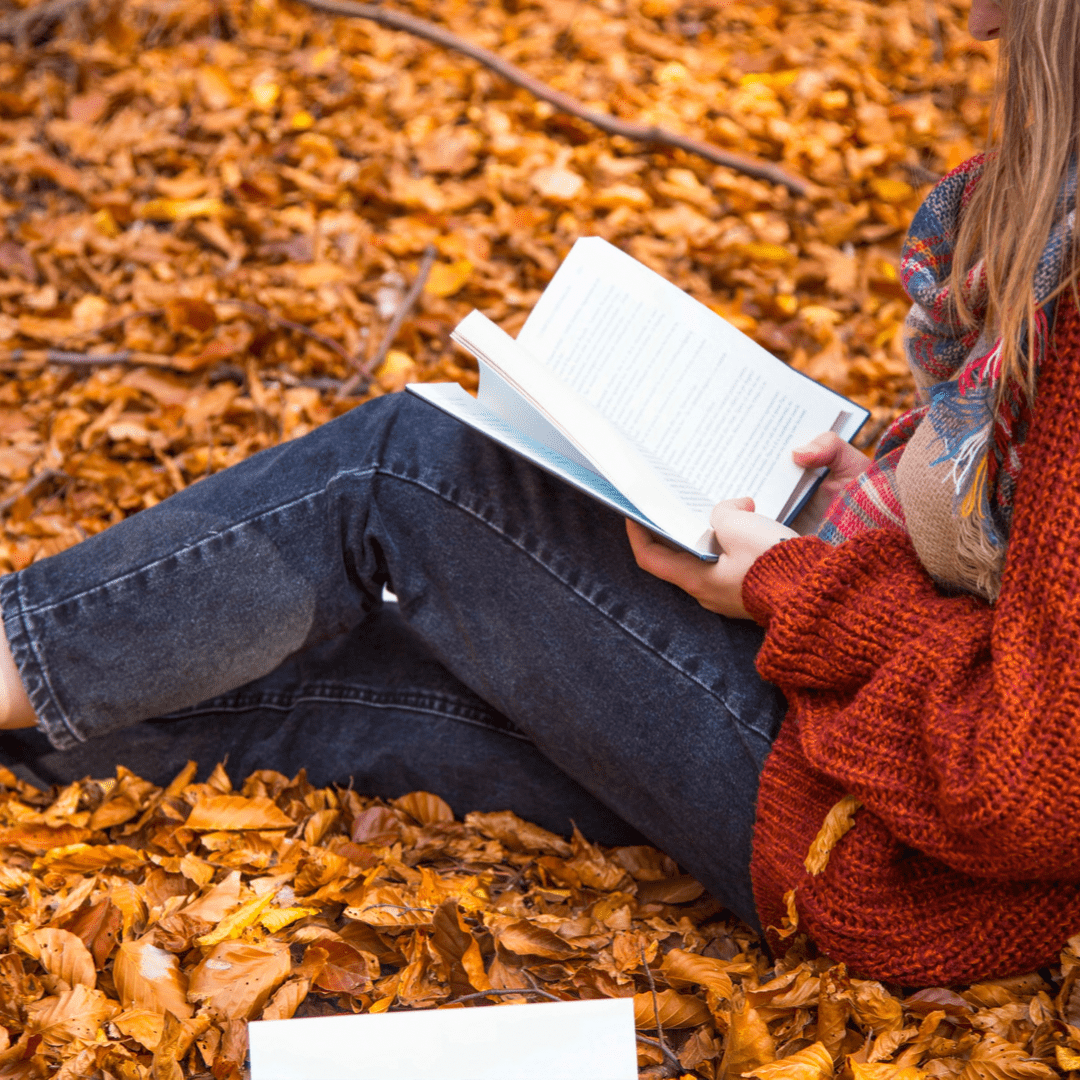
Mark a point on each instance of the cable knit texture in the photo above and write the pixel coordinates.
(955, 722)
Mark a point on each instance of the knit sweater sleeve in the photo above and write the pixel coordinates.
(956, 722)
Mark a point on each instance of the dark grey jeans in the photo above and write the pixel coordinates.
(531, 666)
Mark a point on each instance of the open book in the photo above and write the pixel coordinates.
(633, 392)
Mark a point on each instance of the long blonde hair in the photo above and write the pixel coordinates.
(1033, 140)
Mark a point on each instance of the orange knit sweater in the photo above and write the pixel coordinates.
(954, 722)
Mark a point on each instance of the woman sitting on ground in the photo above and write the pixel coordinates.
(925, 639)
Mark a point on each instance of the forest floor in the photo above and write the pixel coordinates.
(211, 212)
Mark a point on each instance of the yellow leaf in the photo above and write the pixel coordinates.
(232, 926)
(302, 120)
(278, 918)
(760, 251)
(812, 1063)
(891, 191)
(446, 279)
(1067, 1059)
(237, 812)
(838, 822)
(181, 209)
(265, 94)
(396, 371)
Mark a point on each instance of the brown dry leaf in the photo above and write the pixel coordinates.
(226, 812)
(812, 1063)
(674, 1010)
(234, 980)
(749, 1043)
(286, 1000)
(72, 1014)
(839, 821)
(147, 977)
(681, 967)
(425, 808)
(62, 954)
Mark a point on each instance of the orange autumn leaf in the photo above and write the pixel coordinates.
(62, 954)
(235, 979)
(813, 1062)
(236, 812)
(425, 808)
(839, 821)
(147, 977)
(674, 1010)
(680, 967)
(72, 1014)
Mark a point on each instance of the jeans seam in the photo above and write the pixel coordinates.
(357, 474)
(385, 470)
(287, 702)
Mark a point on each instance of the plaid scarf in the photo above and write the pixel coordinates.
(958, 369)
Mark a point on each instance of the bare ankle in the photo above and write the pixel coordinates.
(15, 708)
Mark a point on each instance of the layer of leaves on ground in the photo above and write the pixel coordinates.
(236, 193)
(144, 926)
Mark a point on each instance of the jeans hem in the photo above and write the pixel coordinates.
(51, 718)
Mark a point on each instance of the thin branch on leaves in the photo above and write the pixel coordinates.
(31, 486)
(363, 371)
(650, 134)
(670, 1059)
(505, 993)
(23, 27)
(661, 1042)
(287, 324)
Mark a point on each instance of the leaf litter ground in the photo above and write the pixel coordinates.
(232, 199)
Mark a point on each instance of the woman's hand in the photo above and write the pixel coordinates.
(742, 536)
(844, 463)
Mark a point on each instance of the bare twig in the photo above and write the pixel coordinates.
(364, 370)
(647, 133)
(662, 1042)
(933, 25)
(21, 26)
(31, 486)
(670, 1059)
(287, 324)
(501, 993)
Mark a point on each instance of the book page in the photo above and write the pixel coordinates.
(450, 398)
(676, 378)
(600, 442)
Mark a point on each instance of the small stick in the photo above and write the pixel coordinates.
(288, 324)
(646, 133)
(364, 370)
(669, 1057)
(500, 993)
(18, 27)
(30, 487)
(656, 1009)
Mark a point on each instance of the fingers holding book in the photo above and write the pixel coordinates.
(742, 536)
